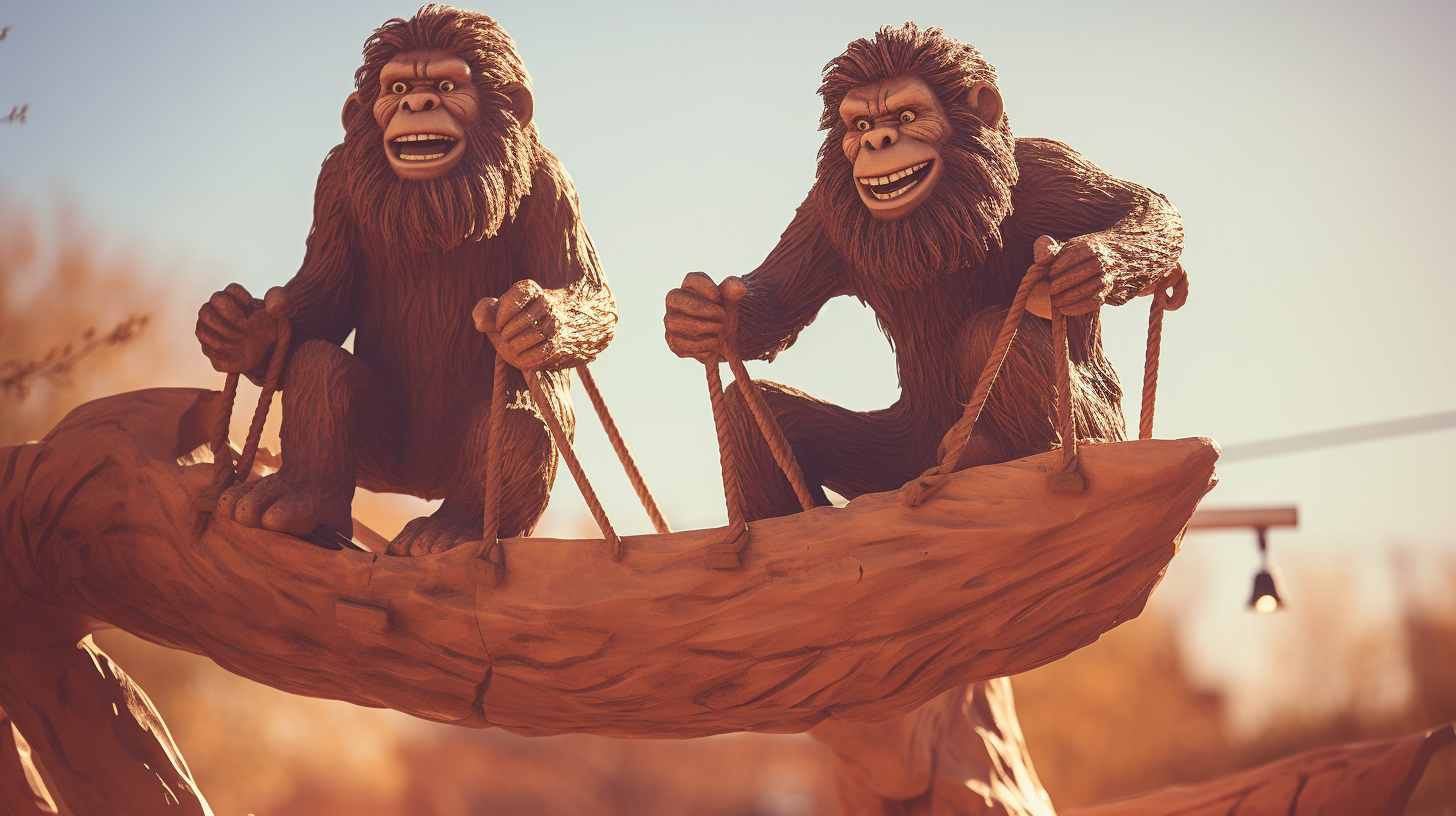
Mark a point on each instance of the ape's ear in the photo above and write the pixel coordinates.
(350, 106)
(523, 105)
(984, 103)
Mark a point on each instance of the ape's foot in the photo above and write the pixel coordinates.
(436, 534)
(286, 504)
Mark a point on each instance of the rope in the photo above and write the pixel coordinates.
(563, 445)
(222, 458)
(727, 555)
(224, 474)
(490, 550)
(778, 444)
(1009, 326)
(265, 399)
(1068, 479)
(1177, 281)
(654, 512)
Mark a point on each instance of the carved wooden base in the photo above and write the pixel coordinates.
(961, 754)
(22, 791)
(865, 612)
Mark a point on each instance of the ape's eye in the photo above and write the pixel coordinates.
(398, 87)
(906, 117)
(446, 86)
(862, 124)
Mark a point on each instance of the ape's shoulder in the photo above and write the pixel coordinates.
(1056, 188)
(552, 197)
(333, 179)
(333, 166)
(1040, 160)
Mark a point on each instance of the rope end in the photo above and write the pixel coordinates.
(729, 552)
(914, 494)
(486, 567)
(1070, 481)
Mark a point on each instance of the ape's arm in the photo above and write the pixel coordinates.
(319, 295)
(787, 290)
(1061, 194)
(551, 247)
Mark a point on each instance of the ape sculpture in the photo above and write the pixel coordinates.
(440, 200)
(926, 208)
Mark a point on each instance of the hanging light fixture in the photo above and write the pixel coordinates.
(1267, 596)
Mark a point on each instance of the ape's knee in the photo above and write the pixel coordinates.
(1020, 410)
(528, 467)
(312, 359)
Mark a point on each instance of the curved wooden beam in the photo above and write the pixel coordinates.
(865, 611)
(1375, 778)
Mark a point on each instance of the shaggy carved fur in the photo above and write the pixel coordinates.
(939, 281)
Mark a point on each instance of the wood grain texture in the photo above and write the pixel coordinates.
(961, 754)
(1366, 778)
(865, 612)
(22, 791)
(96, 733)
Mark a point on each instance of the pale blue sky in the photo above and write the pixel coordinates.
(1307, 145)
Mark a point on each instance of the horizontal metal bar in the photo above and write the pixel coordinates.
(1229, 517)
(1338, 436)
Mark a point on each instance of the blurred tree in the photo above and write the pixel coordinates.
(65, 307)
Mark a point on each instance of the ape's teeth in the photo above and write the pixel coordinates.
(887, 196)
(430, 157)
(893, 177)
(421, 137)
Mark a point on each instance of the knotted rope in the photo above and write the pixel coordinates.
(490, 561)
(1069, 478)
(729, 553)
(224, 475)
(922, 488)
(1169, 293)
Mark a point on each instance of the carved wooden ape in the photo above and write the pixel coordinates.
(440, 198)
(926, 208)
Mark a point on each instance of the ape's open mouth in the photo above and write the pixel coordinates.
(421, 147)
(895, 184)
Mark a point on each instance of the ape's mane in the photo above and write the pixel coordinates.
(959, 225)
(483, 191)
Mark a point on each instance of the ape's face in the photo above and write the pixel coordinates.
(894, 133)
(426, 104)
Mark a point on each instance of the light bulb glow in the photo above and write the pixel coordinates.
(1265, 604)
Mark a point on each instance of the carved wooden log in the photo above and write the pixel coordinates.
(104, 745)
(865, 611)
(1375, 778)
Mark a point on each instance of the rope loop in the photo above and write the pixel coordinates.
(728, 555)
(1169, 293)
(489, 563)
